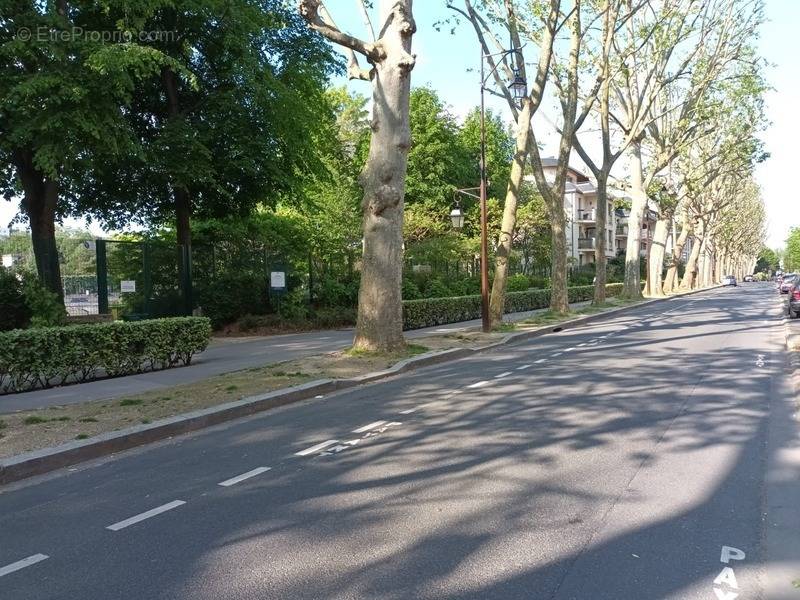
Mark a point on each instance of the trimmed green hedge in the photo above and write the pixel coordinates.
(51, 356)
(441, 311)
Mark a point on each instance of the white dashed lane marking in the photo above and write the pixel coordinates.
(21, 564)
(540, 361)
(243, 476)
(146, 515)
(316, 448)
(523, 367)
(408, 411)
(478, 384)
(503, 374)
(368, 427)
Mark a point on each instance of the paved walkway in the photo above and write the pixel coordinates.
(224, 355)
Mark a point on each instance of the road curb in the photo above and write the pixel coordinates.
(792, 357)
(45, 460)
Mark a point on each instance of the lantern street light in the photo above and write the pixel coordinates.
(519, 90)
(518, 86)
(457, 217)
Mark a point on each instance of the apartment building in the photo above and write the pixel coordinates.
(581, 206)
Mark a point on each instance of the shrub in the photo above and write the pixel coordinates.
(51, 356)
(518, 283)
(435, 288)
(293, 306)
(464, 286)
(440, 311)
(540, 283)
(332, 292)
(232, 295)
(410, 289)
(16, 312)
(45, 306)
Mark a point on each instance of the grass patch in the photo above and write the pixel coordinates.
(87, 420)
(130, 402)
(409, 350)
(546, 318)
(146, 421)
(82, 436)
(34, 420)
(3, 424)
(231, 388)
(505, 327)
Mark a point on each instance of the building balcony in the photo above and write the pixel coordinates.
(622, 231)
(586, 215)
(586, 244)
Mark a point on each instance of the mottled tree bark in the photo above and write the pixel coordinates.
(671, 278)
(655, 263)
(503, 252)
(632, 288)
(379, 325)
(600, 238)
(39, 203)
(687, 283)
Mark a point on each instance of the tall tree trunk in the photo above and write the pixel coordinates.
(600, 238)
(379, 325)
(503, 252)
(691, 265)
(633, 286)
(182, 200)
(655, 263)
(39, 203)
(671, 278)
(559, 298)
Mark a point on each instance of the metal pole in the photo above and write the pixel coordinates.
(102, 277)
(486, 325)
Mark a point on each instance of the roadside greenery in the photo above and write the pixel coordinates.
(440, 311)
(45, 357)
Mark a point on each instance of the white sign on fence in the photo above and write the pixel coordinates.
(127, 286)
(8, 260)
(277, 279)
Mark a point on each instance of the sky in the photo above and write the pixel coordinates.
(448, 62)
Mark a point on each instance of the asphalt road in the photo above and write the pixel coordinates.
(651, 456)
(224, 355)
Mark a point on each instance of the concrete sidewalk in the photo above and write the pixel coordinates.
(224, 355)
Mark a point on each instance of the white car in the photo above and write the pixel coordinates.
(729, 280)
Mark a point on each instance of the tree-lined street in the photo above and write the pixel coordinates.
(632, 458)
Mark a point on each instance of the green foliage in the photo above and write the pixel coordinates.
(410, 289)
(518, 283)
(232, 295)
(791, 256)
(768, 261)
(15, 313)
(45, 307)
(435, 288)
(441, 311)
(26, 302)
(51, 356)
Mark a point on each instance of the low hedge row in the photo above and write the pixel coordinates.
(431, 312)
(51, 356)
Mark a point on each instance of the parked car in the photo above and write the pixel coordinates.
(793, 301)
(729, 280)
(748, 278)
(787, 282)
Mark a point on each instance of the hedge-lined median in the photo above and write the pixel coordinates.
(431, 312)
(51, 356)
